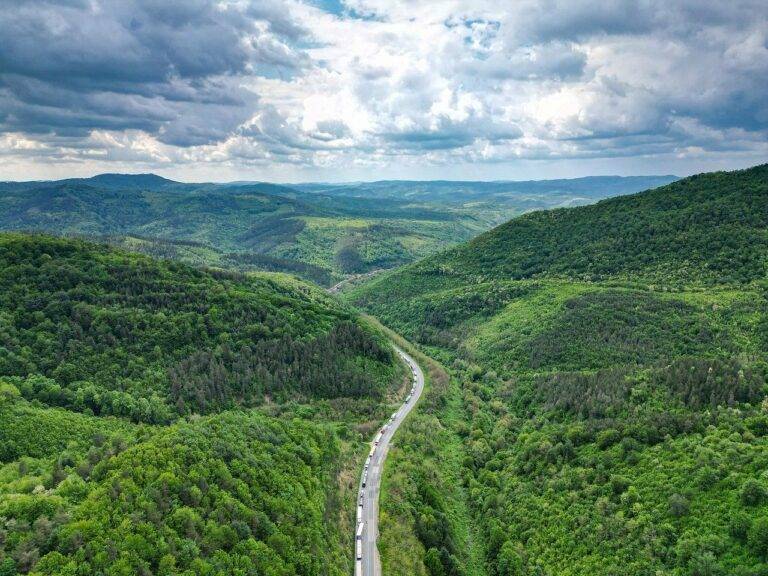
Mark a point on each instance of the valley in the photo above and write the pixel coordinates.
(593, 399)
(611, 370)
(383, 288)
(367, 561)
(320, 233)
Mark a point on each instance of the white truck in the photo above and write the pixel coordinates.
(359, 542)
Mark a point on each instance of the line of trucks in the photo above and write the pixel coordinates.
(360, 525)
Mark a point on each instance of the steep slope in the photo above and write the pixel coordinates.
(709, 228)
(90, 327)
(233, 493)
(612, 361)
(107, 361)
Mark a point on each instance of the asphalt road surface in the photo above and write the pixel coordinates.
(370, 565)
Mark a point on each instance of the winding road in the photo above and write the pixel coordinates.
(336, 288)
(368, 495)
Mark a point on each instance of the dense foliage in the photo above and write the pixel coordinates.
(303, 230)
(708, 229)
(425, 525)
(614, 379)
(107, 358)
(93, 329)
(199, 254)
(236, 493)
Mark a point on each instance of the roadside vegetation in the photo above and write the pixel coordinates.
(613, 372)
(162, 419)
(425, 525)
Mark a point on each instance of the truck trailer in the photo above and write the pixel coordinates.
(359, 542)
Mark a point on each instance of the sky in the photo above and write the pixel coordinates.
(341, 90)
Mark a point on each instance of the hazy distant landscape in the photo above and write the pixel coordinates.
(319, 232)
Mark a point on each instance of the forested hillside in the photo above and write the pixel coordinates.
(88, 327)
(613, 368)
(108, 359)
(706, 229)
(303, 231)
(234, 493)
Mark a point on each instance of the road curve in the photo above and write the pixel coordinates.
(368, 495)
(336, 288)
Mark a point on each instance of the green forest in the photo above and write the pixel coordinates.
(164, 419)
(610, 362)
(93, 329)
(383, 288)
(596, 399)
(319, 233)
(234, 493)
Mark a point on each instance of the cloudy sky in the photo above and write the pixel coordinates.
(290, 90)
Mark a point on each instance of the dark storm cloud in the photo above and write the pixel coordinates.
(169, 68)
(580, 20)
(571, 20)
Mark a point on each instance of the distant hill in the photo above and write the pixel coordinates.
(610, 365)
(321, 234)
(247, 219)
(127, 181)
(179, 211)
(458, 192)
(710, 228)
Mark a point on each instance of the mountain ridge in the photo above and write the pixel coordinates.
(566, 241)
(320, 236)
